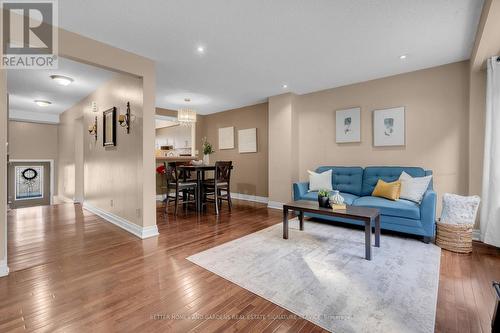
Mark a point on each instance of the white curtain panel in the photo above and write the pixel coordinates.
(490, 209)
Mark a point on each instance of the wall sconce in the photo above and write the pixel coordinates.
(124, 119)
(93, 127)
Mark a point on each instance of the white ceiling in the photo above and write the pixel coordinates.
(253, 47)
(25, 86)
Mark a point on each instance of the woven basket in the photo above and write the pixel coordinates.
(454, 237)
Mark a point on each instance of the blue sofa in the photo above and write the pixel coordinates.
(356, 186)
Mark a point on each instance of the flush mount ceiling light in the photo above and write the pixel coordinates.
(200, 49)
(403, 57)
(41, 102)
(62, 80)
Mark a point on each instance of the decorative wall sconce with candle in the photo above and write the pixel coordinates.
(125, 119)
(93, 127)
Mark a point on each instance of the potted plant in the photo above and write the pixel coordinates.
(323, 199)
(207, 150)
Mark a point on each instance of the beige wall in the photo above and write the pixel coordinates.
(33, 141)
(436, 102)
(109, 173)
(166, 112)
(249, 175)
(86, 50)
(70, 156)
(283, 147)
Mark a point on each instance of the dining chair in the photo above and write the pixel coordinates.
(220, 186)
(181, 188)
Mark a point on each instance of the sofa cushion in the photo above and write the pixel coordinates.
(345, 179)
(320, 181)
(348, 198)
(389, 191)
(388, 174)
(399, 208)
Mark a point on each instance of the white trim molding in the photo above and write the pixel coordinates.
(238, 196)
(275, 204)
(141, 232)
(249, 197)
(63, 199)
(476, 234)
(4, 269)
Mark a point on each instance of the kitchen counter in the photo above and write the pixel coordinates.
(175, 159)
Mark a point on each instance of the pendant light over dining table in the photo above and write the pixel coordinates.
(186, 116)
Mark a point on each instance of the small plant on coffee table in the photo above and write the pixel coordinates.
(323, 199)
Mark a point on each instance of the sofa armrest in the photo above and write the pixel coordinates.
(299, 190)
(428, 212)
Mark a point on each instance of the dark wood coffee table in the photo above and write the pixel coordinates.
(364, 214)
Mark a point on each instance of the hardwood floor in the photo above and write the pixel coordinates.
(73, 272)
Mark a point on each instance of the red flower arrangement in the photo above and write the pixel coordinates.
(161, 169)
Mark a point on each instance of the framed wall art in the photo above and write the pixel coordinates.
(109, 127)
(389, 127)
(247, 140)
(226, 137)
(348, 125)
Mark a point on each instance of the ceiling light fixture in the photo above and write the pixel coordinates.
(285, 86)
(200, 49)
(186, 116)
(41, 102)
(403, 57)
(62, 80)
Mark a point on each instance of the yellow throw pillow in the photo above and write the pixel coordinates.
(389, 191)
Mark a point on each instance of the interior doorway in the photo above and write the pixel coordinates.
(30, 183)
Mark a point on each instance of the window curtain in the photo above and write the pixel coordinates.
(490, 209)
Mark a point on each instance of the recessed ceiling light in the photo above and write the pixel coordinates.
(285, 86)
(200, 49)
(41, 102)
(403, 57)
(62, 80)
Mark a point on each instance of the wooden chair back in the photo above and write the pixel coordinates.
(171, 173)
(183, 173)
(223, 171)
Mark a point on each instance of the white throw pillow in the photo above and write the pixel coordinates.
(458, 209)
(320, 181)
(413, 188)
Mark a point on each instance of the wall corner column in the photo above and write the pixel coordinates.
(283, 146)
(4, 270)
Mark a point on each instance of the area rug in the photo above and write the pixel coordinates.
(320, 274)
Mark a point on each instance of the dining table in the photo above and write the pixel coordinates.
(199, 170)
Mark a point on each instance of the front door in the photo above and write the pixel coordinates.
(29, 184)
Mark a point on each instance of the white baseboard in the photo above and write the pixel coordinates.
(275, 204)
(249, 197)
(476, 235)
(62, 199)
(141, 232)
(239, 196)
(4, 269)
